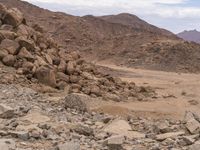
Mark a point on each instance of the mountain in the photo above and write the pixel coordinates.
(122, 39)
(135, 22)
(192, 35)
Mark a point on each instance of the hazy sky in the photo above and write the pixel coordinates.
(174, 15)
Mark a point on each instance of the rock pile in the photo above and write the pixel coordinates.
(30, 121)
(36, 56)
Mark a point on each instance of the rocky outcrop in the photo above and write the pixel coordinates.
(37, 56)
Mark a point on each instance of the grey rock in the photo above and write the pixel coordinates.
(23, 135)
(6, 111)
(69, 146)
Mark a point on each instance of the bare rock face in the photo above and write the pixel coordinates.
(46, 76)
(76, 101)
(13, 17)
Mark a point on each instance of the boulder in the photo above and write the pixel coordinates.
(6, 111)
(76, 101)
(24, 30)
(13, 17)
(9, 60)
(192, 124)
(46, 76)
(5, 34)
(118, 127)
(115, 142)
(24, 53)
(3, 53)
(28, 44)
(62, 77)
(10, 45)
(70, 67)
(62, 66)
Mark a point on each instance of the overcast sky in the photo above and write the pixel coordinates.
(174, 15)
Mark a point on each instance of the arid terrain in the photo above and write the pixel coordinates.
(95, 83)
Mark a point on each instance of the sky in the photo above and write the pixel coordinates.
(174, 15)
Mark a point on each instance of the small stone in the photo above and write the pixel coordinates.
(6, 111)
(84, 130)
(115, 142)
(69, 146)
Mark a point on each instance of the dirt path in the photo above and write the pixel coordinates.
(177, 93)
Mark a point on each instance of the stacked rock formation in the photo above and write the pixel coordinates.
(39, 57)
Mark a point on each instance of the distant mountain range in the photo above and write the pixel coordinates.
(192, 35)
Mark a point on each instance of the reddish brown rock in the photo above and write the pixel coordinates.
(23, 53)
(13, 17)
(9, 60)
(10, 45)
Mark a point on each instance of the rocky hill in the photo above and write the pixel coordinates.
(136, 23)
(192, 35)
(108, 40)
(32, 120)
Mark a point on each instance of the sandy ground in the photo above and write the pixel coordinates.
(177, 93)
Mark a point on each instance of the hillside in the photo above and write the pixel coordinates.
(110, 39)
(192, 35)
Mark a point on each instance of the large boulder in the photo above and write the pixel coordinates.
(5, 34)
(28, 44)
(10, 45)
(24, 53)
(9, 60)
(76, 101)
(46, 75)
(13, 17)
